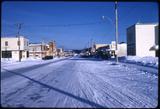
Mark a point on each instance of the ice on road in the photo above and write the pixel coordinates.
(79, 82)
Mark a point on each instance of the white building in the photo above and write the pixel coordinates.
(122, 49)
(141, 38)
(10, 48)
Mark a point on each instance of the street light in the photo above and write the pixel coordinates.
(108, 18)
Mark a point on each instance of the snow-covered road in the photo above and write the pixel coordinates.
(78, 82)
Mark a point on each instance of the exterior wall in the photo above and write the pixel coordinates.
(24, 54)
(15, 55)
(37, 50)
(113, 45)
(156, 34)
(157, 38)
(13, 43)
(52, 49)
(122, 49)
(145, 39)
(131, 40)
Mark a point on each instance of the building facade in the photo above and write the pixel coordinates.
(10, 48)
(52, 51)
(111, 48)
(122, 49)
(140, 39)
(38, 50)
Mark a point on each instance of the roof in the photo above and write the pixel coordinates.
(12, 37)
(139, 23)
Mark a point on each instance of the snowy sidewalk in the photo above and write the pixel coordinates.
(78, 82)
(25, 67)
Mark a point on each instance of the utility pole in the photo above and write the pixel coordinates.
(19, 27)
(116, 30)
(88, 48)
(91, 45)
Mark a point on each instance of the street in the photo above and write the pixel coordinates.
(80, 82)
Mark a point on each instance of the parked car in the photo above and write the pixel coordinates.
(47, 57)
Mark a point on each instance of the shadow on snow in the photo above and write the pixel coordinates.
(91, 103)
(26, 69)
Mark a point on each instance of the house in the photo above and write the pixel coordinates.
(38, 50)
(141, 38)
(10, 48)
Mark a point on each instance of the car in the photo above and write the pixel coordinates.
(47, 57)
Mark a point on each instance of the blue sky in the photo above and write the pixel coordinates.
(34, 14)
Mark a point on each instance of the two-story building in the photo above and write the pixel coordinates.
(37, 50)
(141, 38)
(10, 48)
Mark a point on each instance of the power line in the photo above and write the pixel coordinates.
(65, 25)
(8, 34)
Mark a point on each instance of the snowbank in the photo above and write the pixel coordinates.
(145, 61)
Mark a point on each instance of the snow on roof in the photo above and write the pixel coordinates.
(139, 23)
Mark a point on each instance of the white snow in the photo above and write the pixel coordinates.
(79, 82)
(145, 61)
(14, 64)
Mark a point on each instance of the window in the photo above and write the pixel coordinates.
(27, 54)
(6, 54)
(18, 42)
(6, 43)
